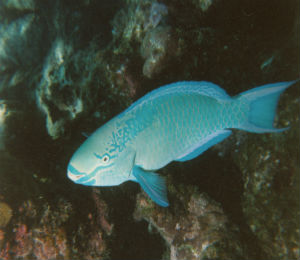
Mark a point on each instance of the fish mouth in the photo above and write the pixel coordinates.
(74, 177)
(74, 174)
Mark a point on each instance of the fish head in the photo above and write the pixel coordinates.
(99, 162)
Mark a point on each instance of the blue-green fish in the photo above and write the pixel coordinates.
(176, 122)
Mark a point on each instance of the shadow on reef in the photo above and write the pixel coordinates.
(130, 237)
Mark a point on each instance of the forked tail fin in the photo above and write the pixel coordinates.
(262, 107)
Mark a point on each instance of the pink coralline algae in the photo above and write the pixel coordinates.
(40, 242)
(4, 253)
(101, 209)
(46, 237)
(23, 241)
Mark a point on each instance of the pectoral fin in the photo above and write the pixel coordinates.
(87, 135)
(153, 184)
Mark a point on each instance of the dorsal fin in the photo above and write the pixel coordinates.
(85, 134)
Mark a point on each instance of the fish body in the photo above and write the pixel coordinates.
(176, 122)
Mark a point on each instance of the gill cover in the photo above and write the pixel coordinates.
(99, 161)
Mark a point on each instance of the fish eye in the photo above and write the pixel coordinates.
(105, 159)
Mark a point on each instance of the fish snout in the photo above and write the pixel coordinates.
(74, 174)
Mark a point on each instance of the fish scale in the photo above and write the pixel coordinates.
(176, 122)
(183, 121)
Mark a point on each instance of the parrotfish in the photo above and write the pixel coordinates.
(176, 122)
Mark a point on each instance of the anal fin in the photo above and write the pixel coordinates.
(205, 144)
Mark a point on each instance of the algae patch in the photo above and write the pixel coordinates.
(5, 214)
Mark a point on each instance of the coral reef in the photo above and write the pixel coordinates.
(42, 234)
(60, 93)
(45, 64)
(198, 229)
(45, 224)
(43, 242)
(203, 4)
(154, 50)
(66, 67)
(102, 213)
(5, 214)
(3, 113)
(18, 4)
(271, 182)
(135, 20)
(145, 23)
(158, 12)
(19, 51)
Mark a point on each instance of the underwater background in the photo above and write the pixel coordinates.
(68, 66)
